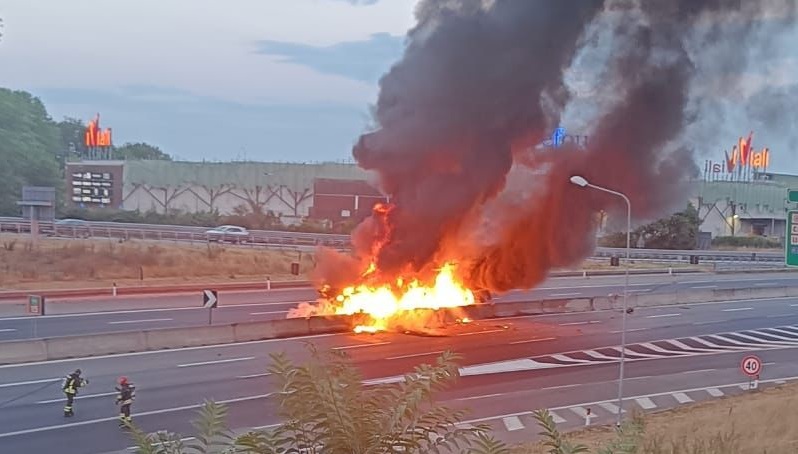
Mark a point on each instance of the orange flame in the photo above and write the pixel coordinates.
(387, 303)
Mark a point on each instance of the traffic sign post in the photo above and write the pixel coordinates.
(210, 299)
(36, 305)
(791, 239)
(751, 366)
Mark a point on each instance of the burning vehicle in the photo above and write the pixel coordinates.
(476, 207)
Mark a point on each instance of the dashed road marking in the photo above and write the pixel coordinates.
(663, 315)
(715, 392)
(737, 309)
(610, 407)
(88, 396)
(218, 361)
(682, 398)
(31, 382)
(512, 423)
(414, 355)
(533, 340)
(346, 347)
(556, 418)
(645, 403)
(265, 374)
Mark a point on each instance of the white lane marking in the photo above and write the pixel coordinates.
(268, 313)
(32, 382)
(116, 418)
(7, 330)
(587, 404)
(562, 386)
(126, 322)
(758, 339)
(793, 305)
(266, 374)
(415, 355)
(556, 418)
(505, 366)
(139, 311)
(172, 350)
(482, 332)
(704, 286)
(512, 423)
(710, 344)
(597, 355)
(568, 359)
(783, 331)
(218, 361)
(645, 403)
(715, 392)
(744, 387)
(628, 330)
(557, 295)
(684, 347)
(780, 382)
(579, 411)
(663, 315)
(736, 309)
(589, 322)
(780, 315)
(610, 407)
(88, 396)
(532, 340)
(698, 371)
(347, 347)
(486, 396)
(765, 284)
(628, 351)
(682, 398)
(657, 348)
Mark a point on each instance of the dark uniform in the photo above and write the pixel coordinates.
(72, 383)
(127, 392)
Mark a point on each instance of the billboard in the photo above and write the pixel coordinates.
(94, 185)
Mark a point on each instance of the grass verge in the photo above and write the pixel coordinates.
(761, 422)
(80, 262)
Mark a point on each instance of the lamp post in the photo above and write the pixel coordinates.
(581, 182)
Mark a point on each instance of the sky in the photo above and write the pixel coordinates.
(285, 80)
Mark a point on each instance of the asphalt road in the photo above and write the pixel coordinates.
(563, 361)
(105, 314)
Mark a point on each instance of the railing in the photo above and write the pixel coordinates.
(284, 239)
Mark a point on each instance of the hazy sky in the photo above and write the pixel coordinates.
(285, 80)
(281, 80)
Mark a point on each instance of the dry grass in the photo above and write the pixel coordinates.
(23, 264)
(764, 422)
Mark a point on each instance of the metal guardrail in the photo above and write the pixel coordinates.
(286, 239)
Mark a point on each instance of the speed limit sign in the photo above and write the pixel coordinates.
(751, 365)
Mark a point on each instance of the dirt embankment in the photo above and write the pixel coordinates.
(76, 263)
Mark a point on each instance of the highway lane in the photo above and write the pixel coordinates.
(170, 382)
(95, 315)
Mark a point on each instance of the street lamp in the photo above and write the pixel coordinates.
(582, 182)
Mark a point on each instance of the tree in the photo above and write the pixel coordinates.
(140, 151)
(679, 231)
(326, 408)
(28, 147)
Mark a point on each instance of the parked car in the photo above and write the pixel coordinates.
(230, 233)
(77, 228)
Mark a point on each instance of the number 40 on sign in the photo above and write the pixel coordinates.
(751, 366)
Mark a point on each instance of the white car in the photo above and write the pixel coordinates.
(231, 233)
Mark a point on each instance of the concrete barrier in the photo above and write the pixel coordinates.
(188, 337)
(95, 344)
(23, 351)
(132, 341)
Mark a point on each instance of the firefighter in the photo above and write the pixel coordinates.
(127, 392)
(72, 383)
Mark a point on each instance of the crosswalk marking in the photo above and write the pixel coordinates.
(645, 403)
(678, 344)
(783, 331)
(715, 392)
(775, 336)
(556, 418)
(756, 339)
(657, 348)
(569, 359)
(682, 398)
(512, 423)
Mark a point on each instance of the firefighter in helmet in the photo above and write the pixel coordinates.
(127, 392)
(72, 383)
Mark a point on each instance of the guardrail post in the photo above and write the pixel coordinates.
(113, 289)
(268, 283)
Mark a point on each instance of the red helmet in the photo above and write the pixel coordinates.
(122, 380)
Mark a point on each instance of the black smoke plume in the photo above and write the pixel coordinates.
(482, 82)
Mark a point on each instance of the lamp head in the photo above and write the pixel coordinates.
(579, 181)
